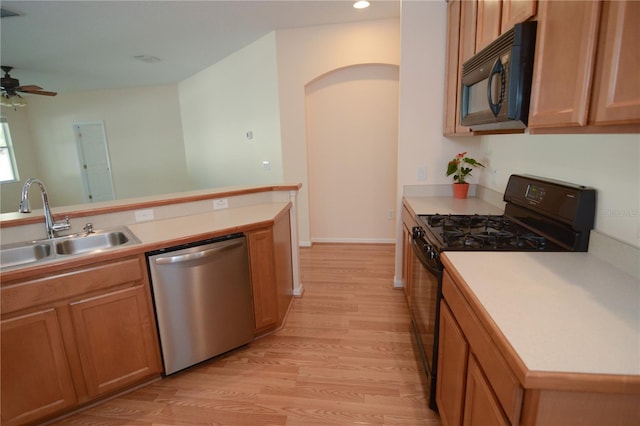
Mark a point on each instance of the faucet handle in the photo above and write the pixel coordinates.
(88, 228)
(62, 226)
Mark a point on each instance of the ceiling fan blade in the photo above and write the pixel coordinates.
(27, 88)
(35, 90)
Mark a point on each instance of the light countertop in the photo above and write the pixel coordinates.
(450, 205)
(561, 312)
(233, 220)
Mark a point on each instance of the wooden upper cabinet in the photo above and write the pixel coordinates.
(616, 90)
(461, 39)
(451, 68)
(488, 22)
(467, 49)
(516, 11)
(564, 62)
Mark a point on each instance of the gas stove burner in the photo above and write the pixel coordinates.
(467, 223)
(481, 232)
(531, 241)
(495, 239)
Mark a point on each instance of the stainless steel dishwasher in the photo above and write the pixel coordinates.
(202, 297)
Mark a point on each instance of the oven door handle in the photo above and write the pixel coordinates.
(431, 264)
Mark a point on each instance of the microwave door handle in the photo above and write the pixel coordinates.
(497, 68)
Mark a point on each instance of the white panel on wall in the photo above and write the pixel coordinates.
(352, 143)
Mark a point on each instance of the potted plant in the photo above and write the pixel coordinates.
(460, 167)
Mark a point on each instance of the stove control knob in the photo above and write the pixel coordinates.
(417, 232)
(431, 253)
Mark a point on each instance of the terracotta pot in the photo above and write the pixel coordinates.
(460, 190)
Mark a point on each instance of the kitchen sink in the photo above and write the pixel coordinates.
(83, 243)
(34, 252)
(23, 253)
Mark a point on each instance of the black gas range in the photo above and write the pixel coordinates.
(541, 215)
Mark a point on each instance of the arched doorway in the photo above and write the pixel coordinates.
(352, 127)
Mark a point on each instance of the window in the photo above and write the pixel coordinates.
(8, 168)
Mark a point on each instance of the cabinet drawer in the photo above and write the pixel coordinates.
(49, 289)
(502, 380)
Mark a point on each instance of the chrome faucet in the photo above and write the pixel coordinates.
(52, 227)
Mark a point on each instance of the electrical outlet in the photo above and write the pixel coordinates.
(220, 203)
(421, 173)
(144, 215)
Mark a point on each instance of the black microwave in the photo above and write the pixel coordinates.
(496, 82)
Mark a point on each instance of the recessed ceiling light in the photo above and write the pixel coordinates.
(362, 4)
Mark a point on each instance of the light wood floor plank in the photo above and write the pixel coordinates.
(343, 357)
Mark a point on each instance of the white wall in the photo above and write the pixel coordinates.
(609, 163)
(303, 55)
(144, 137)
(219, 105)
(352, 132)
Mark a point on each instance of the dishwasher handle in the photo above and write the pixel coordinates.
(198, 255)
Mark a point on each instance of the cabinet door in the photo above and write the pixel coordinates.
(451, 68)
(407, 262)
(116, 339)
(263, 279)
(516, 11)
(466, 51)
(488, 24)
(564, 63)
(481, 406)
(453, 351)
(616, 91)
(36, 380)
(283, 264)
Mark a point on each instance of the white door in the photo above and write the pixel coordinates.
(93, 154)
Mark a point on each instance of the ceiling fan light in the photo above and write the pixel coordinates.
(12, 101)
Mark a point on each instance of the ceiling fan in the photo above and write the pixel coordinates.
(11, 86)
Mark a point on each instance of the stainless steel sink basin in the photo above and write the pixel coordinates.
(91, 242)
(96, 241)
(23, 253)
(33, 252)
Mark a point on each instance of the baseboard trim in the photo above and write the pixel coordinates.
(354, 240)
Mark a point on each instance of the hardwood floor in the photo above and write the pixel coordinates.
(343, 357)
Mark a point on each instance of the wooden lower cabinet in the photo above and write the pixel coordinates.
(74, 336)
(481, 382)
(36, 379)
(263, 279)
(114, 334)
(481, 407)
(271, 273)
(453, 353)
